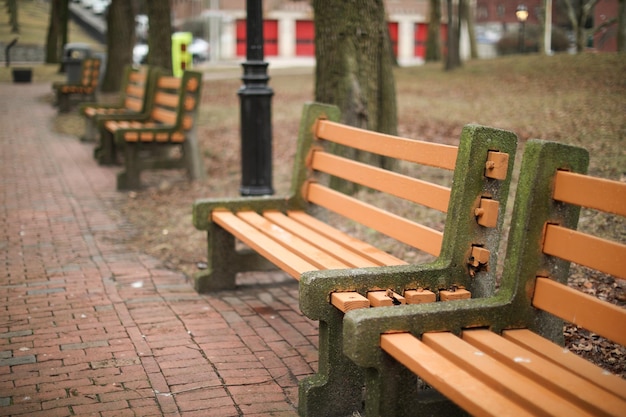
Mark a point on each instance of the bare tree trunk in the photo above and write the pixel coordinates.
(120, 41)
(354, 67)
(13, 16)
(453, 57)
(433, 41)
(467, 15)
(160, 34)
(53, 54)
(621, 26)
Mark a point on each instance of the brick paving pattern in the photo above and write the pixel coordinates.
(89, 328)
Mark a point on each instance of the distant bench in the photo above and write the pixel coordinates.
(496, 356)
(146, 140)
(283, 231)
(84, 90)
(135, 99)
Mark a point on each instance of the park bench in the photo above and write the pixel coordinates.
(66, 94)
(284, 231)
(503, 355)
(134, 99)
(147, 141)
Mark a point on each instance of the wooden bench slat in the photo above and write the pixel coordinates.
(317, 257)
(414, 234)
(592, 192)
(362, 248)
(164, 116)
(137, 91)
(168, 82)
(347, 301)
(474, 396)
(412, 189)
(426, 153)
(519, 388)
(581, 309)
(320, 241)
(557, 354)
(597, 253)
(164, 99)
(256, 240)
(135, 104)
(562, 381)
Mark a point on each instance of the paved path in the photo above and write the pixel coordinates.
(89, 328)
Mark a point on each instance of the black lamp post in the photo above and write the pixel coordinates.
(522, 14)
(256, 111)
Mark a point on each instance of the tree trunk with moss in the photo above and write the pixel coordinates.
(160, 34)
(354, 68)
(53, 54)
(120, 41)
(433, 39)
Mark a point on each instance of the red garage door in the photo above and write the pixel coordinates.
(421, 36)
(270, 37)
(305, 38)
(393, 35)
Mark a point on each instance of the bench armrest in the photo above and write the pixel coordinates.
(362, 328)
(202, 208)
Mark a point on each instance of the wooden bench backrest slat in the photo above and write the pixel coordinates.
(138, 77)
(588, 250)
(164, 116)
(169, 83)
(364, 249)
(563, 357)
(562, 381)
(592, 192)
(163, 99)
(136, 91)
(274, 252)
(475, 397)
(132, 103)
(431, 154)
(401, 229)
(408, 188)
(581, 309)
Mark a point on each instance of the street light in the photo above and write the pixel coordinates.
(255, 98)
(522, 14)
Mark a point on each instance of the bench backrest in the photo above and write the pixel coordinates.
(176, 102)
(480, 163)
(136, 88)
(542, 249)
(90, 73)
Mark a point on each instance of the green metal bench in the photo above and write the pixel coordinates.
(85, 89)
(135, 99)
(146, 140)
(503, 355)
(351, 271)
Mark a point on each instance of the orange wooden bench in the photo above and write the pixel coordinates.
(297, 232)
(146, 140)
(503, 355)
(68, 93)
(135, 99)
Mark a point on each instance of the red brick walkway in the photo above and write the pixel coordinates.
(89, 328)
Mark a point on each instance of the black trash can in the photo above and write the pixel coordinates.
(73, 56)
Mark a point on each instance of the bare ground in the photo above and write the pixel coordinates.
(575, 99)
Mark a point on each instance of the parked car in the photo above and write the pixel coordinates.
(100, 6)
(199, 49)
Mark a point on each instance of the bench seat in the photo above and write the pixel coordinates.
(503, 355)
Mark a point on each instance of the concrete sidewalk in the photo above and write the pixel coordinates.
(89, 328)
